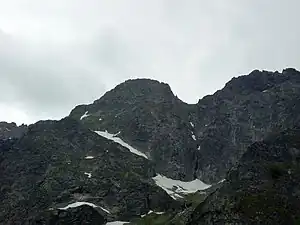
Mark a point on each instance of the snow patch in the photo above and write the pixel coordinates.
(105, 210)
(100, 119)
(264, 91)
(118, 140)
(84, 115)
(194, 137)
(147, 213)
(177, 188)
(221, 181)
(117, 223)
(199, 147)
(88, 174)
(89, 157)
(77, 204)
(158, 213)
(192, 124)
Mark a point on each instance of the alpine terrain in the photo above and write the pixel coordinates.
(139, 155)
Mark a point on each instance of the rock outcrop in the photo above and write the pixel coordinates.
(11, 130)
(82, 215)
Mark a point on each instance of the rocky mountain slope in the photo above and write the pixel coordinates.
(139, 153)
(58, 163)
(244, 111)
(262, 189)
(202, 140)
(150, 118)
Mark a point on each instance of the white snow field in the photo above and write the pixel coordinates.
(77, 204)
(177, 188)
(118, 140)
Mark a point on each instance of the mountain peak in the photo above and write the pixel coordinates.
(260, 80)
(144, 81)
(290, 71)
(129, 95)
(139, 90)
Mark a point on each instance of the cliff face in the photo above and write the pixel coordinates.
(262, 189)
(244, 111)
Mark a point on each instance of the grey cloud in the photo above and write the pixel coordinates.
(45, 86)
(80, 49)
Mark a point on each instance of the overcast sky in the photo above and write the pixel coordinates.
(55, 54)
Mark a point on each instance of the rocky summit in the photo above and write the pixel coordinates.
(139, 155)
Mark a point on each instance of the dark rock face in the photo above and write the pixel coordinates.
(151, 119)
(203, 140)
(11, 130)
(262, 189)
(244, 111)
(47, 168)
(83, 215)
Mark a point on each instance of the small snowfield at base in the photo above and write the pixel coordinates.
(177, 188)
(118, 140)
